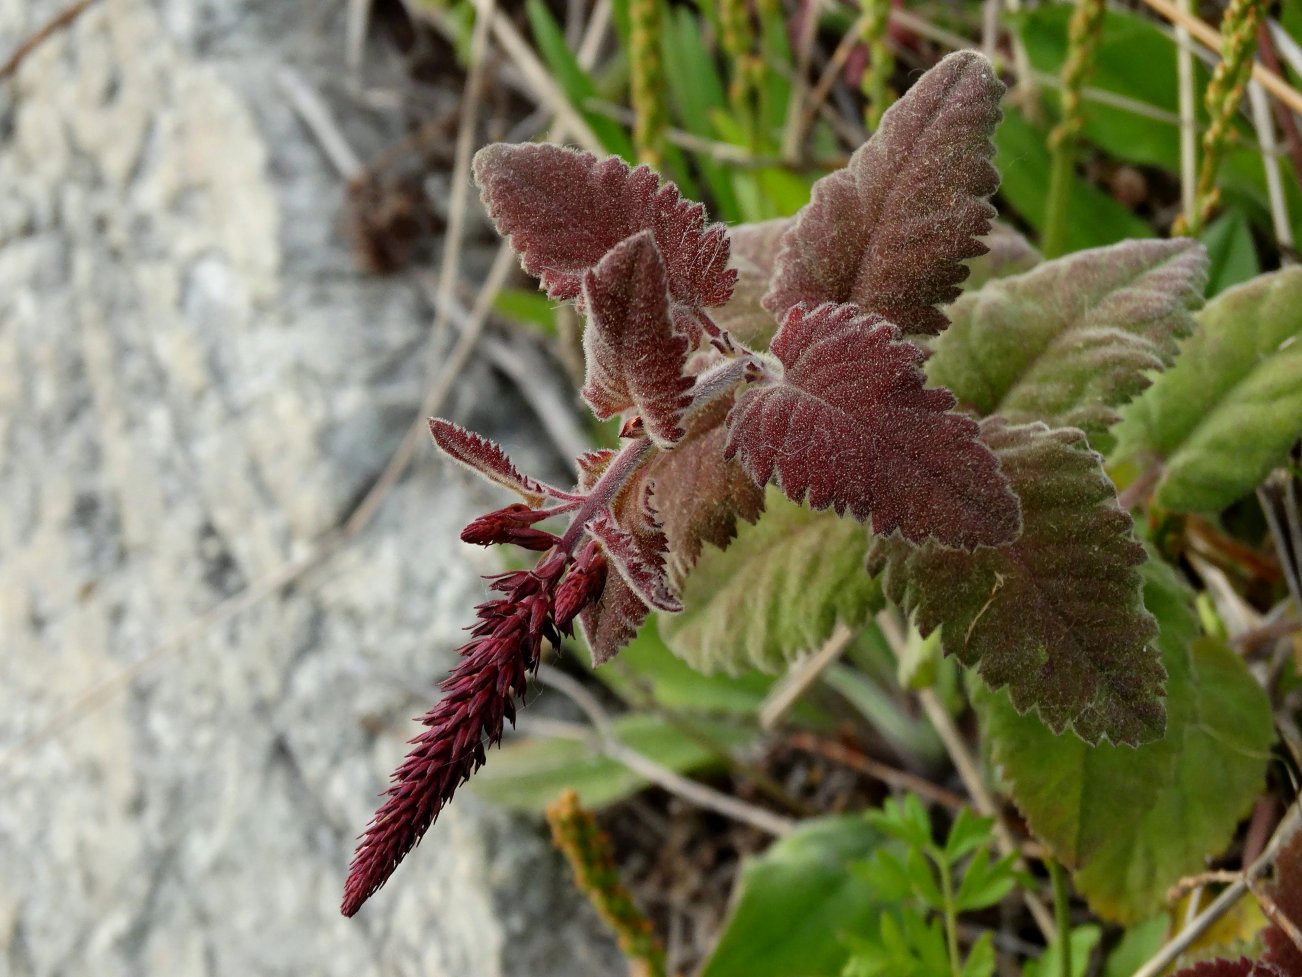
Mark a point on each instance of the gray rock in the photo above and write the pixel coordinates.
(195, 383)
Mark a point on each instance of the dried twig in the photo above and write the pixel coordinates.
(58, 22)
(684, 787)
(1223, 902)
(858, 760)
(1209, 38)
(786, 692)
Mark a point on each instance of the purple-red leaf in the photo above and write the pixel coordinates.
(636, 358)
(891, 230)
(613, 621)
(1057, 615)
(563, 210)
(851, 426)
(642, 567)
(487, 458)
(700, 494)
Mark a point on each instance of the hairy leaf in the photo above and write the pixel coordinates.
(754, 251)
(796, 902)
(636, 357)
(636, 546)
(562, 210)
(776, 592)
(641, 565)
(891, 230)
(1133, 821)
(1069, 341)
(701, 495)
(486, 457)
(850, 426)
(1229, 409)
(613, 621)
(1281, 951)
(1009, 253)
(1055, 616)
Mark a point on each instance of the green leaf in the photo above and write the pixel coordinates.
(1023, 163)
(778, 590)
(905, 820)
(886, 873)
(1131, 822)
(1231, 251)
(577, 85)
(796, 903)
(968, 832)
(1069, 341)
(1137, 946)
(1055, 615)
(646, 667)
(527, 307)
(1010, 254)
(984, 884)
(529, 773)
(1083, 941)
(980, 960)
(1229, 409)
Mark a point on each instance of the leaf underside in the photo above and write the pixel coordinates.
(562, 210)
(485, 457)
(635, 545)
(1132, 822)
(1070, 341)
(777, 591)
(754, 251)
(1056, 615)
(636, 357)
(850, 426)
(1230, 407)
(701, 495)
(890, 231)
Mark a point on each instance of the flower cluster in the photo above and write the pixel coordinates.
(479, 696)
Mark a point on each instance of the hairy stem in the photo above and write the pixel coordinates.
(951, 913)
(625, 465)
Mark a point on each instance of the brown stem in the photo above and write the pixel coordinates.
(61, 20)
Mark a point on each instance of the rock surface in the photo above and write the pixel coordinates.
(195, 383)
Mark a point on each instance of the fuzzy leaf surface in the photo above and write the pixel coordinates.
(777, 591)
(562, 210)
(1056, 615)
(1070, 341)
(1131, 822)
(636, 357)
(1008, 253)
(486, 457)
(701, 495)
(1229, 409)
(753, 253)
(890, 231)
(850, 426)
(635, 546)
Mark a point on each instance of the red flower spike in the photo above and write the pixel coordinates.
(563, 210)
(510, 525)
(851, 426)
(478, 699)
(636, 357)
(581, 587)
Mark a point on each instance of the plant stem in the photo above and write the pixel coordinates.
(630, 458)
(1082, 43)
(1062, 914)
(951, 914)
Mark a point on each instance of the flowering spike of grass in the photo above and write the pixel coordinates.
(1224, 94)
(575, 833)
(881, 62)
(648, 82)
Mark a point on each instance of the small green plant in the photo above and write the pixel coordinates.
(927, 886)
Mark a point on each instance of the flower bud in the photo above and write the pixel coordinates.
(510, 525)
(582, 586)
